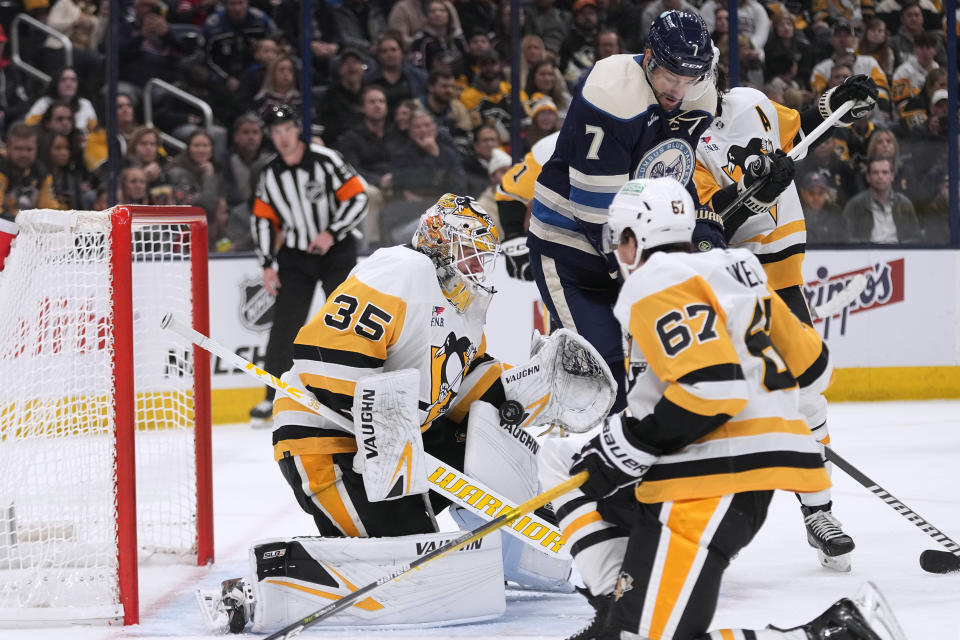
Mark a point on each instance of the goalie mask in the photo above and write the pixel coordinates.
(654, 212)
(463, 241)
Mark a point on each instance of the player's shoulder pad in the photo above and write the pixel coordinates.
(617, 86)
(399, 271)
(544, 148)
(661, 271)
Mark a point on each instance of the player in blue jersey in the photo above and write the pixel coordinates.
(634, 116)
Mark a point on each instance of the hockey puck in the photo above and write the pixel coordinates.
(937, 561)
(511, 412)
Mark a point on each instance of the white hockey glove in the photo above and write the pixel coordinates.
(860, 88)
(386, 421)
(518, 258)
(565, 382)
(613, 459)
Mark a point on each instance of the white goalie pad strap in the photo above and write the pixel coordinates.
(297, 576)
(503, 456)
(565, 382)
(387, 427)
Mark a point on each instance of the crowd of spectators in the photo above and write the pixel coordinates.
(415, 94)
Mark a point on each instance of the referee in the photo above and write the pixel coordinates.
(308, 201)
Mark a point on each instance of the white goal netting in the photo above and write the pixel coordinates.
(58, 384)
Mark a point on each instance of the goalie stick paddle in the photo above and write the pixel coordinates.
(929, 560)
(448, 482)
(500, 521)
(837, 303)
(794, 153)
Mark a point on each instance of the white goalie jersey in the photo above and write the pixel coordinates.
(749, 125)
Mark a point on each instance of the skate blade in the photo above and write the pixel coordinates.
(841, 564)
(214, 618)
(878, 613)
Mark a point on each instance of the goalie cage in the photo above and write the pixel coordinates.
(104, 417)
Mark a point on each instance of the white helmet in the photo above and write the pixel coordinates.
(657, 211)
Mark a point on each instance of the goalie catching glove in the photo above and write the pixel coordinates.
(565, 382)
(518, 258)
(777, 169)
(859, 88)
(613, 458)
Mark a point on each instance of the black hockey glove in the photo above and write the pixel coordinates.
(778, 171)
(518, 258)
(708, 232)
(613, 460)
(859, 88)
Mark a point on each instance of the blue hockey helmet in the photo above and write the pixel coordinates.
(680, 43)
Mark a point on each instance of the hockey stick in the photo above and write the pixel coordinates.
(474, 534)
(794, 153)
(932, 561)
(837, 303)
(443, 479)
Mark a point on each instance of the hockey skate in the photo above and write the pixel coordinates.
(228, 608)
(866, 617)
(596, 630)
(825, 535)
(261, 416)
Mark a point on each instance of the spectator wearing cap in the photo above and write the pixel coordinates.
(339, 108)
(408, 17)
(147, 47)
(477, 44)
(577, 50)
(476, 162)
(438, 45)
(909, 78)
(548, 22)
(823, 160)
(821, 215)
(544, 120)
(843, 42)
(369, 147)
(880, 214)
(398, 79)
(498, 165)
(488, 98)
(914, 113)
(360, 23)
(448, 112)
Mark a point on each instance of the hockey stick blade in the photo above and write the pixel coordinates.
(839, 302)
(294, 629)
(937, 561)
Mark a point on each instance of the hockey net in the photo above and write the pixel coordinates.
(104, 417)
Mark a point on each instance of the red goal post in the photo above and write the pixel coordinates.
(105, 454)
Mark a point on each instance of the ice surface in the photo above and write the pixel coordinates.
(911, 448)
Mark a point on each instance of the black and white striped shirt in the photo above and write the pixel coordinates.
(320, 193)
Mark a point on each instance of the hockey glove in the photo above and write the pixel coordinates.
(613, 459)
(859, 88)
(778, 171)
(518, 258)
(708, 231)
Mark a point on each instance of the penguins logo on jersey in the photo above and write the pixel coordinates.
(739, 157)
(673, 158)
(448, 363)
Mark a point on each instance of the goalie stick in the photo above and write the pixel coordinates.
(500, 521)
(794, 153)
(444, 480)
(837, 303)
(934, 561)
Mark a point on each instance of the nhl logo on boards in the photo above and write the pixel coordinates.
(256, 305)
(673, 158)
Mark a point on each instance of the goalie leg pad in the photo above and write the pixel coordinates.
(387, 427)
(297, 576)
(504, 456)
